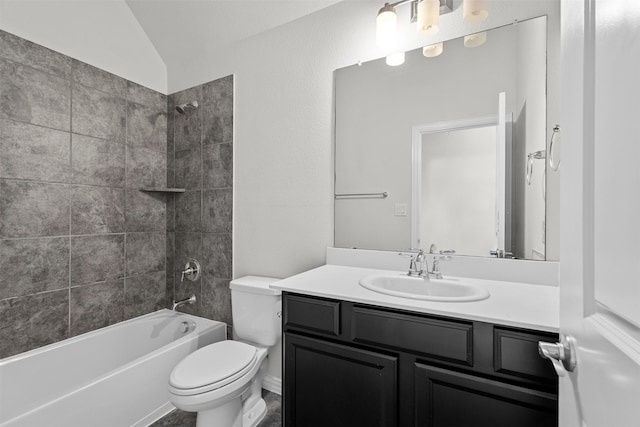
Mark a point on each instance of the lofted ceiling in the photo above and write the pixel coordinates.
(181, 30)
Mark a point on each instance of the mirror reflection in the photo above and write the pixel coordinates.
(426, 154)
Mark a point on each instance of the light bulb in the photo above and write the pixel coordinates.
(428, 16)
(386, 24)
(474, 10)
(475, 40)
(395, 59)
(433, 50)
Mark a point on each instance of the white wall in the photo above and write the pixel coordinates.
(103, 33)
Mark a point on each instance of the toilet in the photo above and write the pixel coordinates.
(222, 382)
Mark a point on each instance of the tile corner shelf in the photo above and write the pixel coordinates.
(162, 190)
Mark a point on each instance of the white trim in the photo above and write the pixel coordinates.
(273, 384)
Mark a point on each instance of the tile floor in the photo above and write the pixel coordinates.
(180, 418)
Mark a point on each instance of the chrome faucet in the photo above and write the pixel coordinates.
(435, 271)
(189, 300)
(419, 265)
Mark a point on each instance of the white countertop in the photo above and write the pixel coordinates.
(512, 304)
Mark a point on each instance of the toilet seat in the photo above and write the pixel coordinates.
(212, 367)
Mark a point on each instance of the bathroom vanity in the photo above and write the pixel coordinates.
(353, 357)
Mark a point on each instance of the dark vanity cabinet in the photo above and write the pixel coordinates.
(349, 364)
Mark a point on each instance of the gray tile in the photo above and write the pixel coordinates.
(98, 114)
(188, 126)
(170, 253)
(145, 253)
(273, 418)
(188, 168)
(187, 246)
(187, 129)
(187, 95)
(28, 53)
(146, 168)
(97, 210)
(94, 77)
(45, 261)
(188, 211)
(96, 258)
(171, 212)
(33, 321)
(177, 418)
(146, 96)
(170, 123)
(217, 210)
(97, 161)
(216, 299)
(217, 168)
(171, 169)
(217, 250)
(30, 209)
(217, 111)
(33, 152)
(144, 294)
(96, 306)
(33, 96)
(146, 127)
(145, 211)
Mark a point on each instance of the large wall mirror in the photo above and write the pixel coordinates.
(450, 152)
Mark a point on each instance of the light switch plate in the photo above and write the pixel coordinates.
(401, 209)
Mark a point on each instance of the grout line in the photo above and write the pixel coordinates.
(71, 85)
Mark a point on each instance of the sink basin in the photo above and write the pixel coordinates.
(401, 285)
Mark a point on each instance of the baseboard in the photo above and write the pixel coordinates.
(273, 384)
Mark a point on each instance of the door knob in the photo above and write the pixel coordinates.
(562, 354)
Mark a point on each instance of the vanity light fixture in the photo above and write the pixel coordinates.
(386, 25)
(428, 16)
(425, 12)
(433, 50)
(474, 10)
(475, 40)
(395, 59)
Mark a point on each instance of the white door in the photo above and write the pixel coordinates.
(600, 211)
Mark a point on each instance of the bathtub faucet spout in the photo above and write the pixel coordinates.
(176, 304)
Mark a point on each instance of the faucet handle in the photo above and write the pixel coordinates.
(413, 269)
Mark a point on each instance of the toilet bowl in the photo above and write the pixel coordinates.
(222, 382)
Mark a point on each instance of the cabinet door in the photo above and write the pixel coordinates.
(329, 384)
(451, 399)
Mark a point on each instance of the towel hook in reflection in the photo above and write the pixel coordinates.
(554, 136)
(542, 154)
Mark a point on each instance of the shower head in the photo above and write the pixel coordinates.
(183, 108)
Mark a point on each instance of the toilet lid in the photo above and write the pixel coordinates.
(215, 363)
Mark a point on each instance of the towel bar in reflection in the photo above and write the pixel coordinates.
(382, 195)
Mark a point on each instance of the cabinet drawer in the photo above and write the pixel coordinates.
(315, 314)
(516, 353)
(437, 338)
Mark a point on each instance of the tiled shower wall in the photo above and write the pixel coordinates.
(199, 221)
(80, 246)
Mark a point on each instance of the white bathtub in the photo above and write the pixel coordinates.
(112, 377)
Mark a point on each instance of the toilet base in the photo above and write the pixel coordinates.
(228, 415)
(255, 414)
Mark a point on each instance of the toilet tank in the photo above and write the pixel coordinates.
(256, 310)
